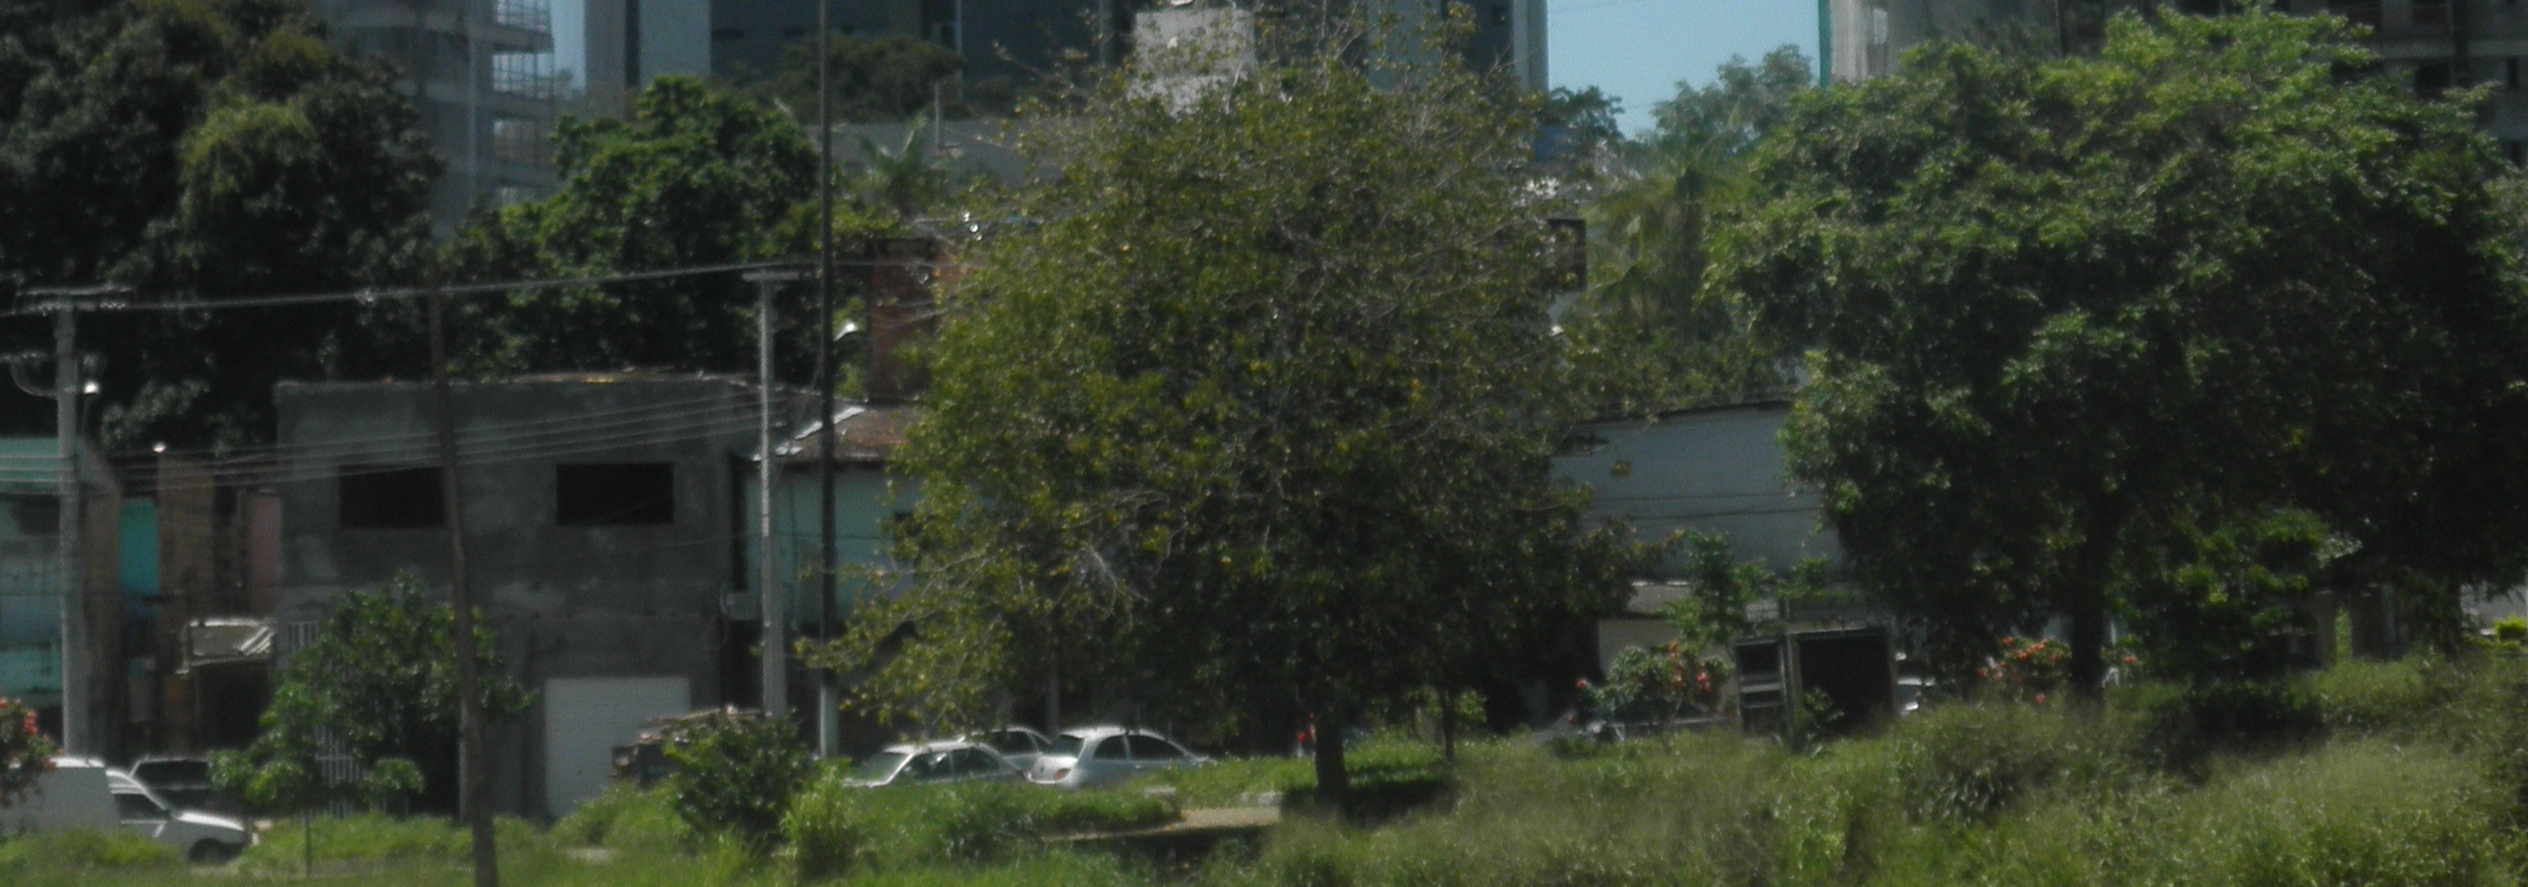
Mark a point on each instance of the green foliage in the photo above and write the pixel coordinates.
(882, 80)
(208, 149)
(627, 817)
(2076, 327)
(379, 685)
(697, 176)
(735, 773)
(1685, 809)
(1274, 357)
(83, 850)
(836, 828)
(1648, 333)
(373, 839)
(26, 754)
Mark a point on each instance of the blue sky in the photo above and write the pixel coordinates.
(1637, 50)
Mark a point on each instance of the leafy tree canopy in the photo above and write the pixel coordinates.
(380, 682)
(698, 176)
(2157, 329)
(882, 80)
(1649, 332)
(1253, 419)
(201, 150)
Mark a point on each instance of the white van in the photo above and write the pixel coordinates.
(82, 793)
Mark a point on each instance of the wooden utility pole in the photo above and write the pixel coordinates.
(472, 776)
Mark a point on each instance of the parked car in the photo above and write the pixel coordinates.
(83, 793)
(1106, 755)
(185, 783)
(1021, 745)
(931, 763)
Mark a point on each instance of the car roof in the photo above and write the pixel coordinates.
(915, 748)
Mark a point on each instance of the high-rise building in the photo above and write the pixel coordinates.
(2435, 44)
(481, 73)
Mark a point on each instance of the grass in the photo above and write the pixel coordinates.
(2410, 773)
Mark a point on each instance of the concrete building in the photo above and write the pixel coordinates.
(606, 533)
(2435, 44)
(481, 72)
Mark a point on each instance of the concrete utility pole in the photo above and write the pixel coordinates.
(472, 776)
(78, 725)
(776, 609)
(829, 701)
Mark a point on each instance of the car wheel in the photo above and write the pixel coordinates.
(210, 852)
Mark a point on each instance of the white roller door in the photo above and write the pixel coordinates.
(586, 718)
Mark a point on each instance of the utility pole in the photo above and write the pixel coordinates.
(776, 609)
(828, 699)
(472, 777)
(80, 727)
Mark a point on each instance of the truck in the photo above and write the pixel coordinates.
(83, 793)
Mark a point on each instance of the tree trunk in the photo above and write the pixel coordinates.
(1334, 785)
(1448, 727)
(2086, 600)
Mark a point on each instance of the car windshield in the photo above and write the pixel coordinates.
(878, 767)
(1065, 746)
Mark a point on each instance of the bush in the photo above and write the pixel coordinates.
(2183, 726)
(735, 773)
(1687, 809)
(626, 817)
(1967, 762)
(82, 850)
(836, 828)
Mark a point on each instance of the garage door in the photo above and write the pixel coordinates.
(586, 718)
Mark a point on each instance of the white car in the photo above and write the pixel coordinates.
(931, 763)
(82, 793)
(1107, 755)
(1021, 745)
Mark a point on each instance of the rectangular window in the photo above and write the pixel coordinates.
(379, 497)
(2510, 73)
(614, 494)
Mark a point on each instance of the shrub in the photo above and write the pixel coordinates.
(25, 753)
(626, 817)
(1687, 809)
(83, 849)
(836, 828)
(2371, 698)
(1967, 762)
(735, 773)
(2183, 726)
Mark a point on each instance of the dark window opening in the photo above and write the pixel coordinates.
(614, 494)
(36, 517)
(728, 33)
(380, 498)
(2510, 73)
(795, 32)
(2431, 78)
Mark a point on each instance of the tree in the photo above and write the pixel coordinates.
(202, 150)
(1253, 419)
(25, 753)
(2075, 327)
(1651, 334)
(698, 176)
(378, 685)
(882, 80)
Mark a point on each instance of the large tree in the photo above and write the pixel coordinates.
(697, 176)
(202, 150)
(2116, 330)
(1253, 416)
(1649, 333)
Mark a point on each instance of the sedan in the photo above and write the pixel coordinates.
(1107, 755)
(933, 763)
(1022, 746)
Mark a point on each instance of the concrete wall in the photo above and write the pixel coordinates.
(1715, 470)
(566, 601)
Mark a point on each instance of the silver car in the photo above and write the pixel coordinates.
(1106, 755)
(1021, 745)
(932, 763)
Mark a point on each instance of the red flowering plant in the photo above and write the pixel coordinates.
(1647, 684)
(2029, 668)
(25, 753)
